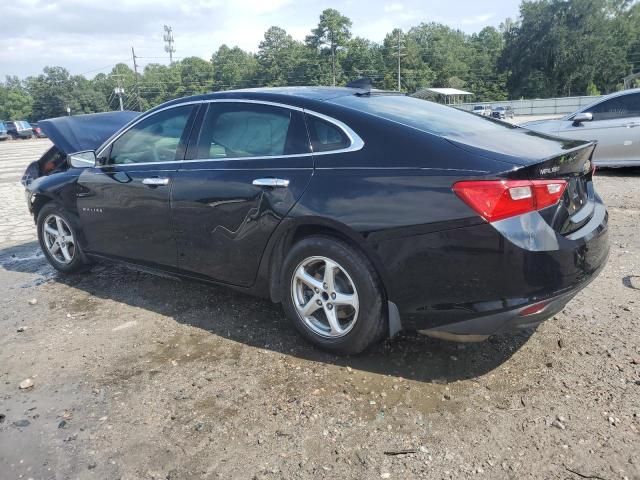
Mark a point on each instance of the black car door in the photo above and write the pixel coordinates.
(244, 171)
(124, 203)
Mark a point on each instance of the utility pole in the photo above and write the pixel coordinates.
(135, 72)
(118, 90)
(333, 62)
(400, 55)
(168, 42)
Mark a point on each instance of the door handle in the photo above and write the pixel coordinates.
(271, 182)
(155, 181)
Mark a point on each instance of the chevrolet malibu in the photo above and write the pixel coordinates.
(361, 212)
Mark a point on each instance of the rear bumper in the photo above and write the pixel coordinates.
(477, 280)
(478, 329)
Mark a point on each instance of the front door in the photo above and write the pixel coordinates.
(124, 203)
(246, 169)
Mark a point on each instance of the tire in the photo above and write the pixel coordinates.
(74, 259)
(356, 282)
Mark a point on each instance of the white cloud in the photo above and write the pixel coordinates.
(88, 36)
(477, 19)
(393, 7)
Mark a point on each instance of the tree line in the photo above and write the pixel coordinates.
(554, 48)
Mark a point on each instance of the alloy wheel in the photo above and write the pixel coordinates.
(325, 297)
(59, 239)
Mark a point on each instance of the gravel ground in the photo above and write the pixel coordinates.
(136, 376)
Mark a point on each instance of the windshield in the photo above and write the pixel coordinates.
(423, 115)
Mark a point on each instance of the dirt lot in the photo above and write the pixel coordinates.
(138, 376)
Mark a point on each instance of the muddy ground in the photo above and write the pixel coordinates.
(137, 376)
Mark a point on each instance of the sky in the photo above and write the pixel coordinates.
(89, 37)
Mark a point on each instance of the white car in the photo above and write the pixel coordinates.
(483, 110)
(613, 121)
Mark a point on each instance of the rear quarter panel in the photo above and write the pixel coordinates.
(397, 187)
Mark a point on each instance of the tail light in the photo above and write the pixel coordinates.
(496, 200)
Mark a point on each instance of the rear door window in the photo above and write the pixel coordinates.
(246, 130)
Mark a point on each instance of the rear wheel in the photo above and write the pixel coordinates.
(333, 295)
(59, 240)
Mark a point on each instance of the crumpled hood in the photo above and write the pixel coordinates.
(84, 132)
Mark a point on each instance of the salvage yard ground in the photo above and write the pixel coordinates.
(137, 376)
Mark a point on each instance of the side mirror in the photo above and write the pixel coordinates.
(83, 159)
(578, 118)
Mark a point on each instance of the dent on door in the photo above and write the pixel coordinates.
(224, 217)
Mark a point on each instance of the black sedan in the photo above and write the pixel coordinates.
(362, 212)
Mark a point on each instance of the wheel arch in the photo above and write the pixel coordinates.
(291, 231)
(38, 200)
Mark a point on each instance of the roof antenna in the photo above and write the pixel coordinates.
(364, 83)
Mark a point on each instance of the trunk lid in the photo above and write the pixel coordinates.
(578, 202)
(538, 156)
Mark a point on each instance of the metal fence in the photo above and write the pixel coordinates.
(539, 106)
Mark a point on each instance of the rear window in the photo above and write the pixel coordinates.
(325, 136)
(423, 115)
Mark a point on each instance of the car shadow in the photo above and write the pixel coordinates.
(262, 324)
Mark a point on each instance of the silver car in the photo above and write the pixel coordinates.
(613, 121)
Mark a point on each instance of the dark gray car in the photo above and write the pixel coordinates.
(19, 129)
(613, 121)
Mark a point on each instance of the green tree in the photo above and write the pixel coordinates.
(362, 58)
(196, 76)
(561, 46)
(447, 52)
(159, 83)
(233, 68)
(279, 58)
(414, 72)
(485, 80)
(15, 101)
(333, 32)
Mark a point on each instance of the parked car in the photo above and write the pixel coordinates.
(612, 121)
(482, 110)
(19, 129)
(3, 131)
(362, 212)
(503, 112)
(37, 131)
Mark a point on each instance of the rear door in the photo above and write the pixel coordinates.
(124, 204)
(245, 169)
(615, 126)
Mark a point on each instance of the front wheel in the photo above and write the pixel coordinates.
(333, 295)
(58, 239)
